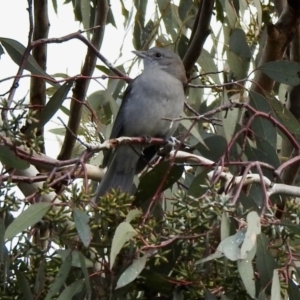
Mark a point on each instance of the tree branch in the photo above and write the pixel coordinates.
(279, 37)
(41, 30)
(82, 85)
(199, 34)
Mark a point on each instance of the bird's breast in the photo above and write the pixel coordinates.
(154, 95)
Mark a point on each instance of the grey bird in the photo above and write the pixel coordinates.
(155, 94)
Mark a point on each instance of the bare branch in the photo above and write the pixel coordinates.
(199, 34)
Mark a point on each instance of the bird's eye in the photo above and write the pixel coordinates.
(158, 55)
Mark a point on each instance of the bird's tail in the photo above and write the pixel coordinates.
(120, 174)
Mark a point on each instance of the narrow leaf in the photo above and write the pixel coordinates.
(60, 277)
(238, 44)
(86, 14)
(9, 159)
(253, 228)
(230, 246)
(81, 220)
(132, 272)
(275, 291)
(282, 71)
(151, 181)
(27, 218)
(52, 106)
(24, 285)
(54, 3)
(71, 290)
(134, 213)
(16, 50)
(265, 263)
(2, 232)
(246, 271)
(124, 233)
(84, 270)
(40, 278)
(262, 127)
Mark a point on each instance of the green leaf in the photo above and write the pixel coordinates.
(169, 13)
(1, 51)
(275, 291)
(230, 246)
(132, 272)
(61, 277)
(52, 106)
(110, 18)
(282, 71)
(16, 50)
(238, 65)
(187, 124)
(124, 233)
(246, 271)
(9, 159)
(103, 104)
(284, 116)
(2, 232)
(86, 14)
(76, 258)
(262, 127)
(270, 151)
(199, 185)
(238, 44)
(40, 278)
(215, 147)
(265, 262)
(230, 14)
(71, 290)
(225, 226)
(58, 131)
(295, 228)
(208, 65)
(253, 229)
(27, 218)
(230, 119)
(151, 181)
(133, 214)
(139, 23)
(54, 3)
(81, 220)
(85, 272)
(24, 285)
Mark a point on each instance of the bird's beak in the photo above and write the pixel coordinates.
(140, 54)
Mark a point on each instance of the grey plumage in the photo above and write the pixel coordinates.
(157, 93)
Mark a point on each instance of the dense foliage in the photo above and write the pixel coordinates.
(215, 218)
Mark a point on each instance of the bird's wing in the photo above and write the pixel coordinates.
(117, 129)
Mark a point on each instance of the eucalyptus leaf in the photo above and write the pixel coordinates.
(23, 283)
(16, 51)
(27, 218)
(282, 71)
(132, 272)
(81, 220)
(52, 106)
(10, 160)
(61, 277)
(71, 290)
(265, 263)
(124, 233)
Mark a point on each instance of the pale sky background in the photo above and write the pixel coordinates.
(66, 57)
